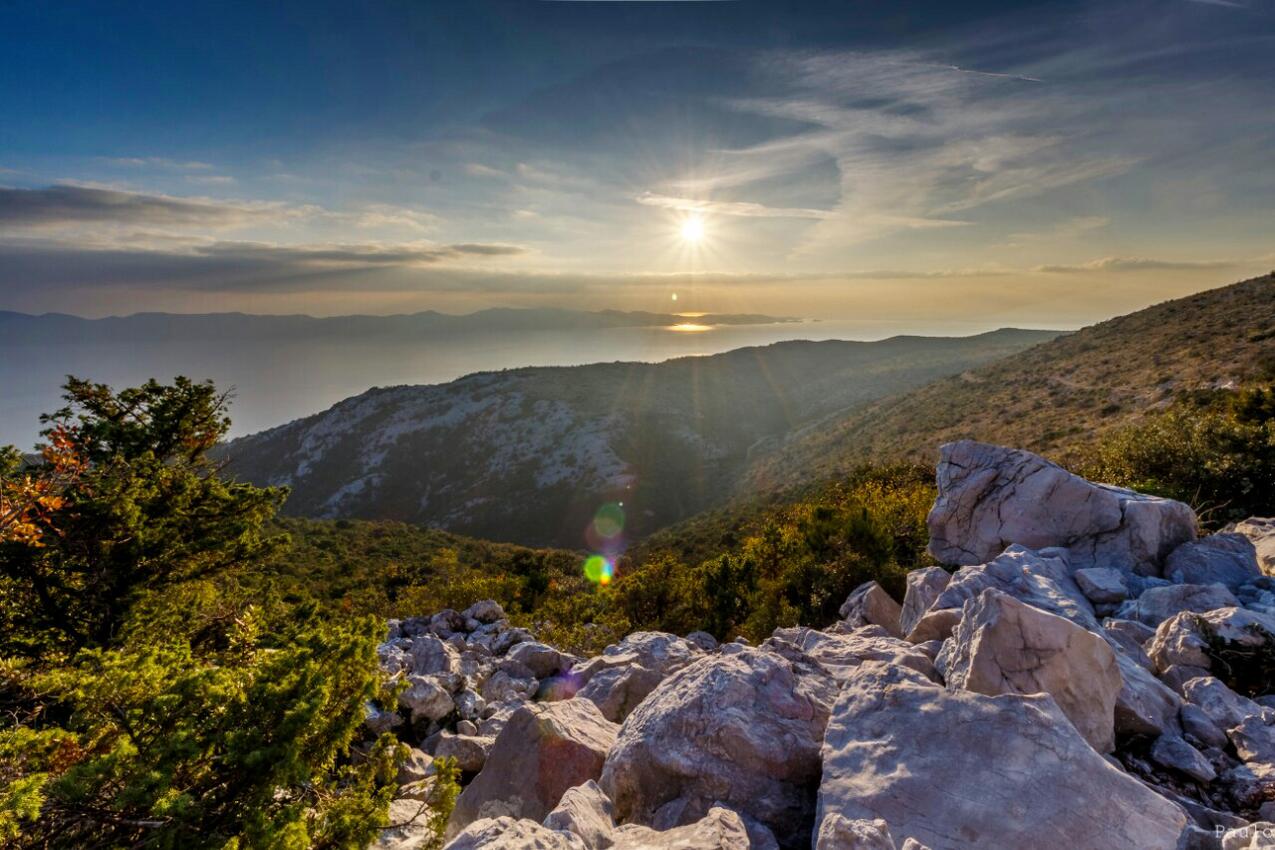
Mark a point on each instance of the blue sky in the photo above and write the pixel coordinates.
(1053, 163)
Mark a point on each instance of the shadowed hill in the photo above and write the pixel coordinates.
(528, 455)
(1055, 396)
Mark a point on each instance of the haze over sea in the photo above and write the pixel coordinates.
(276, 381)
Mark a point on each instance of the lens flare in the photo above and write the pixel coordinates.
(599, 570)
(609, 520)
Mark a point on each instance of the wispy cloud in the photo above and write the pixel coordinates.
(78, 204)
(156, 162)
(735, 208)
(1137, 264)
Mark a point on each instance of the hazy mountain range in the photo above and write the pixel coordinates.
(23, 327)
(529, 455)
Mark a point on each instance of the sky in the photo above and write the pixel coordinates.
(1036, 163)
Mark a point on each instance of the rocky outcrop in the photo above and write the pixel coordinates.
(1261, 533)
(1184, 640)
(1009, 716)
(870, 605)
(1228, 559)
(1003, 646)
(619, 679)
(1038, 580)
(991, 497)
(924, 586)
(742, 729)
(920, 757)
(1157, 604)
(541, 752)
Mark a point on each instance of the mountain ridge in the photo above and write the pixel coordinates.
(527, 455)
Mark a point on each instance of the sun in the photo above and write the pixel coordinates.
(693, 230)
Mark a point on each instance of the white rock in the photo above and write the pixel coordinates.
(1180, 640)
(1174, 753)
(541, 752)
(924, 586)
(469, 751)
(840, 649)
(1102, 585)
(1227, 559)
(1158, 604)
(431, 655)
(508, 833)
(1261, 532)
(618, 680)
(742, 730)
(990, 497)
(703, 640)
(426, 698)
(1222, 705)
(958, 770)
(585, 811)
(1043, 582)
(719, 829)
(841, 833)
(870, 605)
(1254, 740)
(487, 611)
(1004, 646)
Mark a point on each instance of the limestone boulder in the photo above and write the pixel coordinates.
(1254, 739)
(840, 833)
(740, 729)
(870, 605)
(924, 586)
(1184, 639)
(1222, 705)
(1003, 646)
(1158, 604)
(1102, 585)
(1226, 559)
(426, 698)
(1038, 580)
(468, 751)
(1261, 533)
(957, 770)
(541, 660)
(1175, 753)
(586, 812)
(991, 497)
(1145, 705)
(542, 750)
(509, 833)
(618, 680)
(840, 649)
(431, 655)
(719, 829)
(488, 611)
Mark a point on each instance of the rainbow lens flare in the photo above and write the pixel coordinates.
(599, 570)
(608, 522)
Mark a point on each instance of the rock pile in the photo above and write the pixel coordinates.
(1070, 677)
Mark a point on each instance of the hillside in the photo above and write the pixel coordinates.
(1055, 397)
(528, 455)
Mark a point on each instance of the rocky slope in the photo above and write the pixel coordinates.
(1084, 673)
(528, 455)
(1055, 396)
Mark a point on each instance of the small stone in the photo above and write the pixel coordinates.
(1174, 753)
